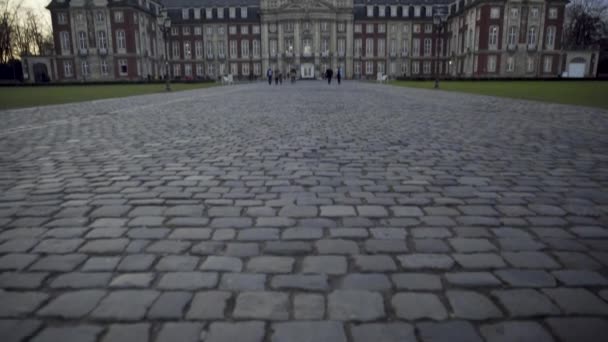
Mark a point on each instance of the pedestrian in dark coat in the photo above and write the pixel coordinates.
(329, 73)
(339, 75)
(269, 75)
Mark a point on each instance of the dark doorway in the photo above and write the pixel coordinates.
(41, 74)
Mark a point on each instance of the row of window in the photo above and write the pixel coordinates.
(198, 30)
(307, 26)
(102, 40)
(198, 70)
(491, 64)
(209, 13)
(186, 47)
(68, 68)
(100, 17)
(381, 28)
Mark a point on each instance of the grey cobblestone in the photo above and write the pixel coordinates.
(167, 219)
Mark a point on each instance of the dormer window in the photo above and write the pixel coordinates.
(185, 14)
(244, 12)
(209, 13)
(416, 11)
(220, 13)
(382, 11)
(370, 11)
(197, 13)
(232, 12)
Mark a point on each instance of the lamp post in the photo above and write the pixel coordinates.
(164, 23)
(439, 19)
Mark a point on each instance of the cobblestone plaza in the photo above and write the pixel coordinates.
(301, 213)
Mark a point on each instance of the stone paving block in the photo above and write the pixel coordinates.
(169, 305)
(208, 248)
(580, 278)
(298, 211)
(259, 234)
(148, 233)
(348, 233)
(168, 247)
(479, 260)
(578, 329)
(406, 211)
(525, 303)
(221, 263)
(463, 245)
(350, 305)
(520, 244)
(302, 233)
(242, 281)
(188, 280)
(127, 332)
(18, 245)
(577, 301)
(60, 263)
(110, 211)
(174, 263)
(431, 246)
(337, 211)
(231, 222)
(305, 331)
(417, 281)
(251, 331)
(530, 260)
(80, 333)
(105, 246)
(72, 305)
(262, 305)
(426, 261)
(180, 331)
(80, 280)
(388, 233)
(472, 305)
(337, 246)
(270, 264)
(366, 281)
(374, 263)
(208, 305)
(105, 233)
(275, 222)
(132, 280)
(125, 305)
(18, 330)
(372, 211)
(451, 331)
(22, 280)
(472, 279)
(373, 246)
(57, 246)
(190, 234)
(385, 332)
(526, 278)
(288, 248)
(324, 264)
(412, 306)
(16, 261)
(136, 262)
(515, 331)
(308, 306)
(300, 282)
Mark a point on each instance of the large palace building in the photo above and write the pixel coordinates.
(109, 40)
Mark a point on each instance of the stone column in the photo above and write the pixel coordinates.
(264, 42)
(349, 49)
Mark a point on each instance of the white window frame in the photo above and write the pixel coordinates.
(369, 68)
(82, 40)
(495, 13)
(244, 48)
(198, 49)
(416, 47)
(553, 12)
(428, 46)
(493, 37)
(119, 17)
(369, 47)
(65, 41)
(103, 67)
(491, 63)
(200, 70)
(68, 70)
(121, 63)
(233, 49)
(121, 40)
(62, 18)
(512, 36)
(188, 70)
(426, 67)
(187, 50)
(547, 64)
(510, 64)
(550, 37)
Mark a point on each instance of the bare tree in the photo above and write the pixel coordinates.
(586, 22)
(22, 31)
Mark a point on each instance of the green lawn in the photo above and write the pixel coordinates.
(17, 97)
(584, 93)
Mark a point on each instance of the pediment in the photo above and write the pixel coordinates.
(307, 5)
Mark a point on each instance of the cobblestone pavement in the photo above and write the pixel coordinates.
(304, 213)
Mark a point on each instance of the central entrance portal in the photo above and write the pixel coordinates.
(307, 70)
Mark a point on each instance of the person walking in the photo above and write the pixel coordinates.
(339, 75)
(276, 77)
(281, 78)
(329, 74)
(269, 75)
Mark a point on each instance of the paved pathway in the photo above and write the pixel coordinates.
(302, 213)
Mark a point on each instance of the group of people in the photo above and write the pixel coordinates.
(277, 75)
(329, 74)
